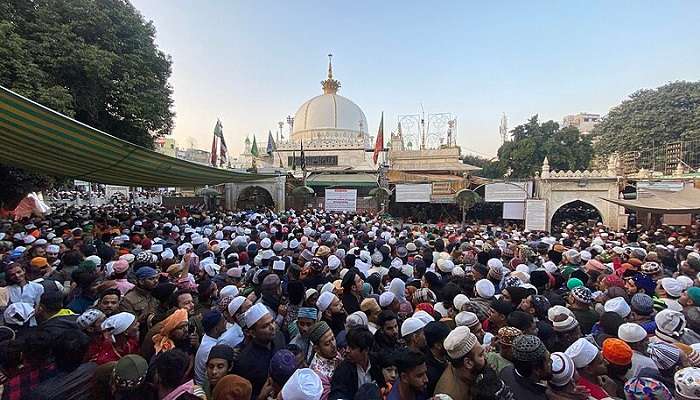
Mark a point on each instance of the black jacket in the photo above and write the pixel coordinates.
(57, 325)
(344, 382)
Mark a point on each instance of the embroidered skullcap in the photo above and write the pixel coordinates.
(423, 315)
(582, 352)
(563, 369)
(318, 330)
(617, 351)
(582, 294)
(687, 382)
(528, 348)
(650, 268)
(129, 372)
(304, 384)
(642, 304)
(507, 335)
(358, 318)
(309, 293)
(619, 306)
(87, 318)
(324, 301)
(255, 313)
(282, 365)
(466, 318)
(459, 342)
(425, 295)
(228, 291)
(665, 355)
(641, 388)
(459, 301)
(411, 325)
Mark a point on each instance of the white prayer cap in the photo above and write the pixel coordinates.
(304, 384)
(582, 352)
(562, 369)
(631, 332)
(550, 267)
(118, 323)
(423, 316)
(54, 249)
(556, 310)
(411, 325)
(466, 318)
(167, 254)
(333, 262)
(29, 239)
(485, 288)
(459, 342)
(157, 248)
(309, 293)
(228, 291)
(495, 263)
(95, 260)
(266, 243)
(386, 298)
(324, 300)
(459, 301)
(235, 304)
(19, 313)
(618, 305)
(358, 318)
(278, 265)
(672, 287)
(328, 287)
(254, 314)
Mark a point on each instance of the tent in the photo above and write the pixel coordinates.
(37, 138)
(684, 201)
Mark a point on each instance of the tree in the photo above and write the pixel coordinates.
(93, 60)
(650, 117)
(565, 148)
(467, 199)
(489, 168)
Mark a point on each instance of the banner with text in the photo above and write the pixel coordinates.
(413, 193)
(536, 215)
(341, 200)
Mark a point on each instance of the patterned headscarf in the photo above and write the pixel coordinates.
(646, 389)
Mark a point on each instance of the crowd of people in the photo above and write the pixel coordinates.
(143, 302)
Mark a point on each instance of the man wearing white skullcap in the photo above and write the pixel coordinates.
(590, 365)
(332, 311)
(388, 301)
(412, 333)
(465, 363)
(254, 359)
(669, 290)
(636, 338)
(304, 384)
(619, 306)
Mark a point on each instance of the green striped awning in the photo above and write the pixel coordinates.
(40, 139)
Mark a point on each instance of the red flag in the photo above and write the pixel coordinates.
(379, 144)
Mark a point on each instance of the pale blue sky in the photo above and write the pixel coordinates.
(253, 63)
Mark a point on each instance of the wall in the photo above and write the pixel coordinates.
(275, 186)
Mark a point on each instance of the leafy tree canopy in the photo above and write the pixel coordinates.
(651, 117)
(94, 60)
(565, 148)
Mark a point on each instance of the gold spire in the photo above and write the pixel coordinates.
(330, 85)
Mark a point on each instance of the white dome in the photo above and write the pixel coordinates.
(329, 115)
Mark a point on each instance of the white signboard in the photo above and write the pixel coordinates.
(111, 190)
(536, 215)
(413, 193)
(678, 219)
(514, 211)
(670, 186)
(341, 200)
(507, 192)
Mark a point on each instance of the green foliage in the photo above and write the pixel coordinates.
(489, 168)
(22, 182)
(565, 148)
(651, 116)
(93, 60)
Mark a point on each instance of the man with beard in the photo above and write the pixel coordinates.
(139, 300)
(108, 301)
(254, 361)
(466, 362)
(412, 333)
(531, 365)
(326, 358)
(413, 378)
(352, 291)
(332, 311)
(387, 336)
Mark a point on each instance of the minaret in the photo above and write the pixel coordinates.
(330, 85)
(545, 168)
(247, 145)
(503, 129)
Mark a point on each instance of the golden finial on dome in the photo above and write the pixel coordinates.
(330, 85)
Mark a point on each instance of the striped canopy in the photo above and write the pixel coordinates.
(40, 139)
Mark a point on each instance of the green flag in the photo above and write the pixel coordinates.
(254, 148)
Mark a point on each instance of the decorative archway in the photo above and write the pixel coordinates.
(576, 211)
(253, 197)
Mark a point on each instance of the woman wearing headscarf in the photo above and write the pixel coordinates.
(120, 337)
(398, 288)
